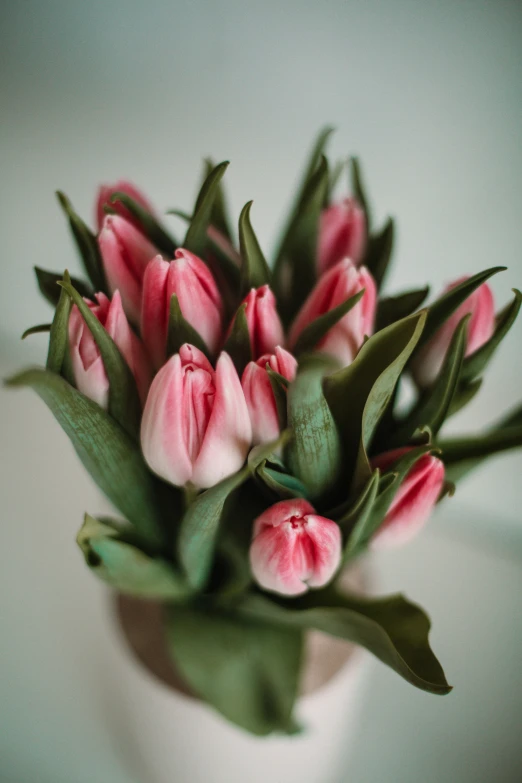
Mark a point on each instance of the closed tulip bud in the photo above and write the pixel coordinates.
(195, 426)
(293, 548)
(87, 364)
(106, 192)
(264, 326)
(337, 285)
(259, 394)
(481, 326)
(414, 501)
(125, 254)
(200, 302)
(342, 234)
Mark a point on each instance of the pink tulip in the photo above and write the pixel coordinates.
(481, 326)
(106, 192)
(200, 302)
(414, 501)
(264, 325)
(88, 369)
(259, 395)
(293, 548)
(195, 425)
(342, 234)
(125, 253)
(337, 285)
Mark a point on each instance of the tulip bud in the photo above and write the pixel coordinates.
(337, 285)
(200, 302)
(414, 501)
(264, 326)
(87, 364)
(342, 234)
(481, 326)
(125, 253)
(259, 394)
(106, 192)
(195, 425)
(293, 548)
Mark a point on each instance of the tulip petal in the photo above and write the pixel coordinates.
(325, 536)
(154, 310)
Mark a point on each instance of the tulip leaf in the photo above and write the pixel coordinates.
(279, 386)
(358, 189)
(238, 344)
(393, 629)
(333, 179)
(460, 455)
(196, 239)
(393, 308)
(359, 394)
(38, 329)
(181, 332)
(444, 307)
(283, 485)
(113, 459)
(314, 454)
(318, 329)
(200, 527)
(246, 669)
(463, 395)
(219, 215)
(267, 451)
(152, 229)
(353, 520)
(48, 285)
(379, 252)
(254, 268)
(87, 245)
(59, 337)
(476, 362)
(125, 566)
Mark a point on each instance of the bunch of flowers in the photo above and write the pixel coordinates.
(242, 416)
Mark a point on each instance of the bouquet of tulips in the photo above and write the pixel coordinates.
(244, 418)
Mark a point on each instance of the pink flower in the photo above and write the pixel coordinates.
(481, 326)
(125, 253)
(414, 501)
(342, 234)
(195, 425)
(105, 194)
(337, 285)
(200, 302)
(293, 548)
(88, 369)
(259, 395)
(264, 325)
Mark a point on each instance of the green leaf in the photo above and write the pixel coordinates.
(59, 337)
(393, 629)
(358, 189)
(39, 329)
(112, 458)
(334, 177)
(200, 527)
(279, 386)
(460, 455)
(359, 394)
(354, 521)
(48, 285)
(254, 269)
(315, 331)
(394, 308)
(181, 332)
(314, 454)
(152, 229)
(444, 307)
(124, 402)
(247, 670)
(281, 484)
(87, 245)
(464, 394)
(196, 237)
(125, 566)
(219, 215)
(476, 362)
(238, 342)
(379, 252)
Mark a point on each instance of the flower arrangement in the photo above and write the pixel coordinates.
(243, 418)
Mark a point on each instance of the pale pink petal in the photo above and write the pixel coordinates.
(261, 403)
(155, 310)
(326, 539)
(272, 560)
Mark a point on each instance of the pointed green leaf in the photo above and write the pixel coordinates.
(59, 337)
(315, 331)
(358, 189)
(247, 670)
(125, 566)
(379, 252)
(279, 386)
(480, 446)
(353, 522)
(124, 402)
(463, 395)
(181, 332)
(48, 285)
(238, 342)
(196, 237)
(333, 180)
(283, 485)
(39, 329)
(152, 229)
(87, 245)
(112, 458)
(219, 215)
(267, 451)
(394, 308)
(254, 268)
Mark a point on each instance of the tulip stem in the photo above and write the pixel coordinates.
(190, 493)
